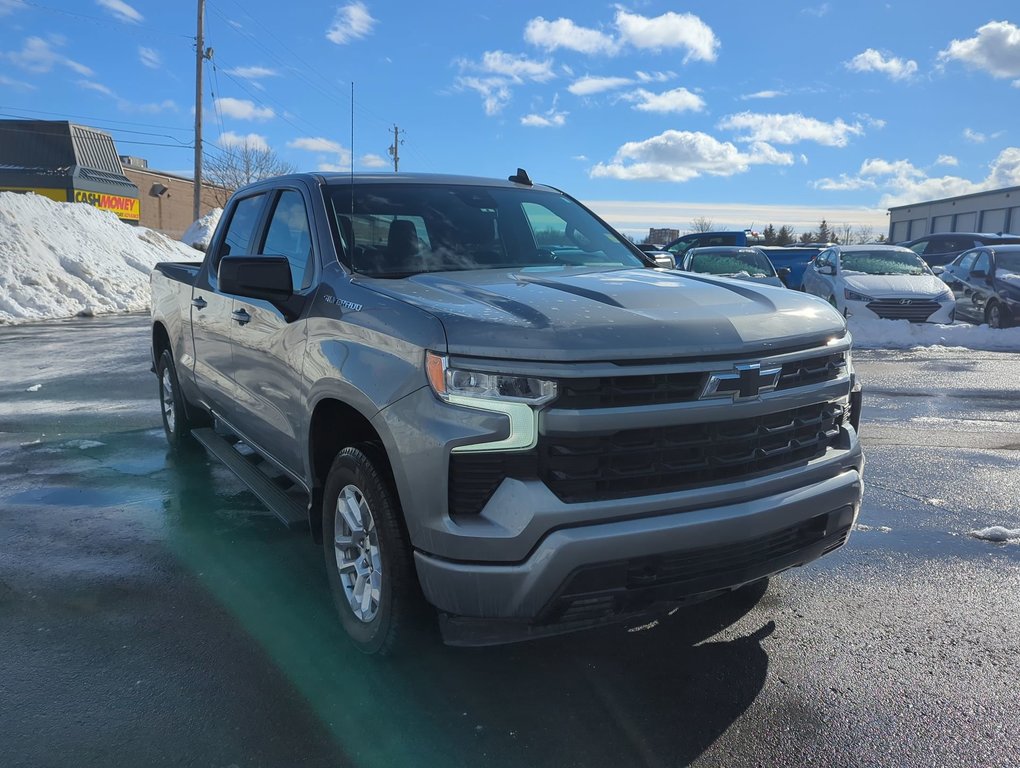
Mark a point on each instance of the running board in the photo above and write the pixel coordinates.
(279, 502)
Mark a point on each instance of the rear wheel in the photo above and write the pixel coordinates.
(176, 424)
(998, 316)
(368, 556)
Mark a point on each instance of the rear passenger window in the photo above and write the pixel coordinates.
(967, 262)
(289, 236)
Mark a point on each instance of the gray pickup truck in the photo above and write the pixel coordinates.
(479, 397)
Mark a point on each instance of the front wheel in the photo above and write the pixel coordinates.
(368, 556)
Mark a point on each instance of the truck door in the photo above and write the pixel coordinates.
(269, 342)
(212, 320)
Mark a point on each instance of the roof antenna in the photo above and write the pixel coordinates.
(521, 177)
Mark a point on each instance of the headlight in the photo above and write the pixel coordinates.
(517, 397)
(854, 296)
(450, 382)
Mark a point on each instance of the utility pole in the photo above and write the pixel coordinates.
(199, 56)
(394, 150)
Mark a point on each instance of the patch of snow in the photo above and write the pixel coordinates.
(650, 625)
(82, 444)
(997, 534)
(200, 232)
(70, 259)
(863, 527)
(869, 333)
(34, 388)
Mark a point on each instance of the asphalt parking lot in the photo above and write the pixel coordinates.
(152, 613)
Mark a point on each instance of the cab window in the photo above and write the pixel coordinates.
(289, 235)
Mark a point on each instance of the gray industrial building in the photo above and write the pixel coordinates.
(997, 210)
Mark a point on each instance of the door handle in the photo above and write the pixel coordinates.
(199, 303)
(241, 316)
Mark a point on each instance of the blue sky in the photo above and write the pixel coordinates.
(652, 112)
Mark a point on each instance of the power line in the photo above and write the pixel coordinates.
(93, 119)
(179, 145)
(104, 21)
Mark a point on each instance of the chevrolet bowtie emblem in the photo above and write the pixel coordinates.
(745, 381)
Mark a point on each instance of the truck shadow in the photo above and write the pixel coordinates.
(605, 697)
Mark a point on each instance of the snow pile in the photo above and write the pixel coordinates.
(65, 259)
(200, 233)
(899, 334)
(997, 534)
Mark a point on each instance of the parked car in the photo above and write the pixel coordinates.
(482, 399)
(880, 281)
(794, 258)
(740, 237)
(938, 250)
(986, 282)
(733, 261)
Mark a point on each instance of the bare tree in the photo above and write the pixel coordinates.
(241, 164)
(702, 224)
(844, 233)
(864, 234)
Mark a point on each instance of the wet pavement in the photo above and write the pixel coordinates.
(153, 613)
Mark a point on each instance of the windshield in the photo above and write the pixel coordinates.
(883, 263)
(396, 230)
(731, 261)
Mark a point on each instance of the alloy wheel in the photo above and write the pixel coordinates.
(358, 559)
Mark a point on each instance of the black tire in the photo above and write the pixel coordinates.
(176, 423)
(379, 555)
(997, 316)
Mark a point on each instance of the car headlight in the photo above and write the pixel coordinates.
(854, 296)
(515, 396)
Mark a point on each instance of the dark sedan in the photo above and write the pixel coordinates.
(986, 282)
(940, 249)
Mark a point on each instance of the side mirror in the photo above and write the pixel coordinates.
(828, 269)
(938, 270)
(256, 277)
(665, 261)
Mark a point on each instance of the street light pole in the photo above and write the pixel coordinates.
(199, 55)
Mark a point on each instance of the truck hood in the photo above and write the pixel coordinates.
(622, 314)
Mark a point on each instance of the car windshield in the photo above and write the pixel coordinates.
(883, 263)
(731, 261)
(396, 230)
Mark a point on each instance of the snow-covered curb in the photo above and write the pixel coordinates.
(65, 259)
(998, 534)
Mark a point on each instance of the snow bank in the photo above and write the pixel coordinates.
(899, 334)
(66, 259)
(199, 233)
(997, 534)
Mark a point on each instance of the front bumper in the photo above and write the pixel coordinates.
(884, 308)
(588, 575)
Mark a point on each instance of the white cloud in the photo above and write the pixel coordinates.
(588, 85)
(762, 95)
(121, 10)
(149, 57)
(791, 128)
(252, 73)
(551, 119)
(875, 61)
(373, 161)
(501, 71)
(352, 21)
(17, 85)
(974, 136)
(995, 49)
(676, 100)
(683, 155)
(167, 105)
(817, 11)
(10, 6)
(518, 68)
(97, 87)
(316, 144)
(254, 141)
(243, 109)
(564, 33)
(904, 183)
(670, 30)
(654, 77)
(37, 55)
(946, 160)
